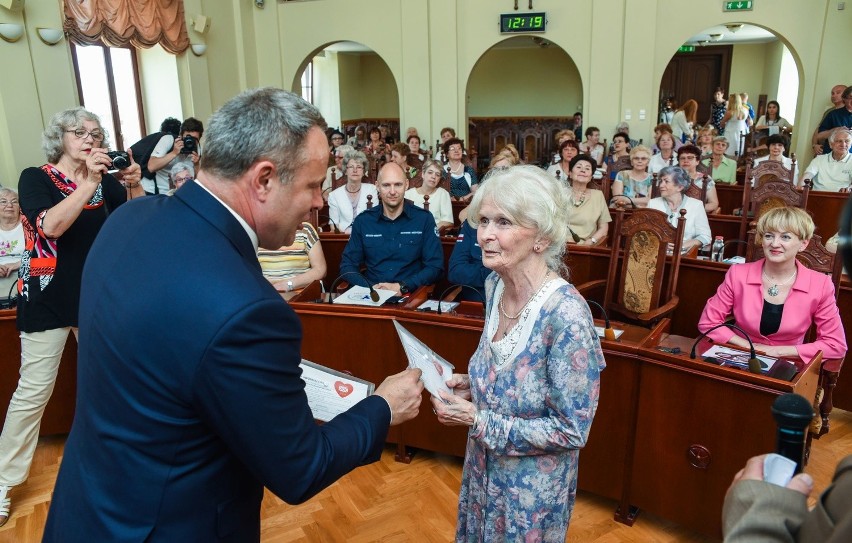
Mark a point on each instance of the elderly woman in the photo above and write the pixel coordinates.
(568, 149)
(399, 156)
(347, 201)
(532, 390)
(179, 174)
(333, 173)
(593, 146)
(635, 183)
(588, 213)
(620, 148)
(666, 157)
(463, 180)
(673, 181)
(359, 140)
(65, 203)
(11, 240)
(376, 148)
(687, 158)
(507, 157)
(295, 266)
(776, 299)
(560, 137)
(439, 199)
(777, 146)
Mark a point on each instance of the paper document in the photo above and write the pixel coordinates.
(432, 305)
(725, 356)
(600, 331)
(331, 392)
(436, 370)
(358, 295)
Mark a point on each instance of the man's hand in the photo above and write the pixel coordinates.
(403, 393)
(754, 470)
(389, 286)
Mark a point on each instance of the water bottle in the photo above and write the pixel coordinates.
(718, 249)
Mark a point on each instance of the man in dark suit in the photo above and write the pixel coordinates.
(189, 392)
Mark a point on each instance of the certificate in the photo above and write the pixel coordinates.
(331, 392)
(436, 370)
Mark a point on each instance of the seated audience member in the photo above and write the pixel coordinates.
(620, 149)
(387, 137)
(447, 133)
(772, 123)
(396, 241)
(723, 169)
(560, 137)
(414, 150)
(667, 145)
(777, 145)
(625, 128)
(659, 129)
(840, 117)
(687, 158)
(336, 139)
(634, 183)
(169, 151)
(683, 121)
(399, 156)
(506, 158)
(11, 240)
(463, 180)
(376, 148)
(593, 146)
(180, 174)
(819, 140)
(589, 215)
(568, 149)
(410, 131)
(337, 171)
(359, 140)
(347, 201)
(440, 205)
(758, 510)
(296, 266)
(577, 126)
(704, 141)
(466, 266)
(776, 299)
(673, 181)
(832, 172)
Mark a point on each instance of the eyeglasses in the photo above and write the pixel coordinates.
(184, 179)
(81, 133)
(4, 203)
(641, 158)
(355, 168)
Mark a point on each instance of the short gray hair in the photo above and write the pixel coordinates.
(52, 142)
(357, 156)
(264, 123)
(532, 198)
(343, 150)
(837, 131)
(7, 190)
(677, 174)
(181, 166)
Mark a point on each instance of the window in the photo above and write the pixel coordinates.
(308, 82)
(108, 84)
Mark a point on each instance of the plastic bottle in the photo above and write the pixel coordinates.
(718, 249)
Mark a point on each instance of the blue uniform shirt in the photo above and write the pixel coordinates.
(466, 264)
(405, 249)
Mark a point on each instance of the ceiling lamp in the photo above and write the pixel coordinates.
(733, 27)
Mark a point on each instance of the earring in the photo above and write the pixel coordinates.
(537, 248)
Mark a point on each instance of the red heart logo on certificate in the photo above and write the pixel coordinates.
(343, 389)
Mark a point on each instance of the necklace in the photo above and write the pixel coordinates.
(578, 203)
(458, 170)
(518, 314)
(773, 290)
(353, 191)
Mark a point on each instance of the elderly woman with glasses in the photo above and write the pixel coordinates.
(347, 201)
(180, 174)
(11, 240)
(635, 183)
(673, 181)
(64, 204)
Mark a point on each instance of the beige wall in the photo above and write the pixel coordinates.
(431, 47)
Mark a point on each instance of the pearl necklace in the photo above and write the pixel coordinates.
(773, 290)
(582, 200)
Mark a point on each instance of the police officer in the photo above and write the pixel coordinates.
(396, 241)
(466, 265)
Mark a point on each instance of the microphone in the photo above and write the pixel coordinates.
(373, 294)
(792, 414)
(459, 286)
(753, 362)
(632, 203)
(609, 333)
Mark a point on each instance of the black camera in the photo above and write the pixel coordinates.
(120, 159)
(190, 145)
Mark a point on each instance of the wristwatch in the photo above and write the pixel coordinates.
(289, 286)
(403, 288)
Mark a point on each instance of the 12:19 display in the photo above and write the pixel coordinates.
(529, 22)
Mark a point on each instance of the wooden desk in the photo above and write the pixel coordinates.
(668, 433)
(60, 409)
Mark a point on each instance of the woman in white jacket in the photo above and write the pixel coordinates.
(347, 201)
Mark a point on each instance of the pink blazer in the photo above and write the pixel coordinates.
(811, 299)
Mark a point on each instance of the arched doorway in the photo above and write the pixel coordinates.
(521, 91)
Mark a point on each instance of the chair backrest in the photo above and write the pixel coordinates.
(769, 195)
(642, 241)
(336, 182)
(699, 193)
(769, 170)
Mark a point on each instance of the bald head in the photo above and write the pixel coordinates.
(391, 172)
(837, 94)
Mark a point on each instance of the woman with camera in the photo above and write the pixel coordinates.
(64, 204)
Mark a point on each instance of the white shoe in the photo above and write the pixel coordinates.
(5, 504)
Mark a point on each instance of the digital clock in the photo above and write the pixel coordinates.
(526, 22)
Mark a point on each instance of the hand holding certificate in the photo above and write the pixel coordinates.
(436, 370)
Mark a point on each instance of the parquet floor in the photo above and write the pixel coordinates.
(392, 502)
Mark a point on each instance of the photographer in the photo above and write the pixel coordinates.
(169, 151)
(64, 204)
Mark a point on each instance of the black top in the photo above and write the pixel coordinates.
(52, 269)
(770, 318)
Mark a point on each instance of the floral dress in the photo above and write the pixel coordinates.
(535, 412)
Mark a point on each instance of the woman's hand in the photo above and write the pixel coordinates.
(132, 174)
(98, 164)
(777, 351)
(460, 383)
(454, 410)
(5, 271)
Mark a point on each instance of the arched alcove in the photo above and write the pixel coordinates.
(522, 90)
(350, 84)
(738, 57)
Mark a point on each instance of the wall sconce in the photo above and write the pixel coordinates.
(198, 49)
(11, 32)
(49, 36)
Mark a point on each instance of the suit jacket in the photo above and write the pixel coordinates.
(759, 511)
(811, 300)
(189, 397)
